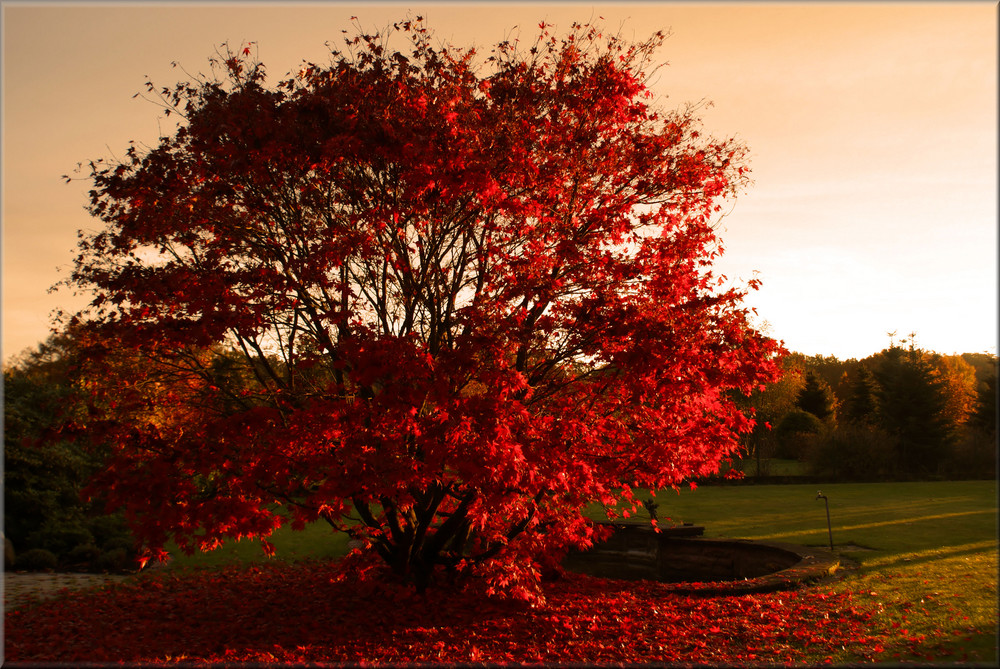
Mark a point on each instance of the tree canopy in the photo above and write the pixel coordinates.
(458, 300)
(817, 398)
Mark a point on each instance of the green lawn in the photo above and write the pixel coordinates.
(889, 517)
(931, 561)
(317, 540)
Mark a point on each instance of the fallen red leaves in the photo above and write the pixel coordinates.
(307, 613)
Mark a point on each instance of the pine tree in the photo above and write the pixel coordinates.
(912, 405)
(817, 398)
(861, 405)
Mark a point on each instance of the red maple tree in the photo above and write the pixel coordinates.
(442, 304)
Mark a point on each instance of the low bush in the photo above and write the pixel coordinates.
(974, 456)
(79, 541)
(124, 543)
(36, 559)
(108, 528)
(852, 452)
(112, 561)
(60, 538)
(83, 554)
(796, 433)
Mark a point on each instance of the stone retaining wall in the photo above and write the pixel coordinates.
(636, 552)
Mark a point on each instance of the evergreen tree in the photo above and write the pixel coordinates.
(827, 368)
(912, 405)
(861, 405)
(817, 398)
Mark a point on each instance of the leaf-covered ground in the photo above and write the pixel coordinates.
(306, 613)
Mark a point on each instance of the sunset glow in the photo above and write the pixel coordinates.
(872, 131)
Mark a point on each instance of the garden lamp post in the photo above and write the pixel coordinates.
(829, 529)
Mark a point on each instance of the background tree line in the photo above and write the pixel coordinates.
(902, 413)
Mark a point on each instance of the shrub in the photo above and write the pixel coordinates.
(795, 432)
(853, 452)
(113, 560)
(83, 554)
(60, 538)
(36, 559)
(124, 543)
(108, 528)
(9, 555)
(974, 456)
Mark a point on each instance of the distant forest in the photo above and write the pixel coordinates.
(902, 413)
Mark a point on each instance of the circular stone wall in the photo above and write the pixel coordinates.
(635, 552)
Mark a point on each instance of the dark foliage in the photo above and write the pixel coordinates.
(861, 404)
(912, 410)
(44, 472)
(817, 398)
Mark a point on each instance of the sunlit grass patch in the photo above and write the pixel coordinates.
(931, 570)
(935, 604)
(891, 517)
(317, 541)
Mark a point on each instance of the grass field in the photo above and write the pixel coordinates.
(927, 550)
(317, 540)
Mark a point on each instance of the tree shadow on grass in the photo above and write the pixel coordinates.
(927, 556)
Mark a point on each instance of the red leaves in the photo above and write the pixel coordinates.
(309, 613)
(469, 302)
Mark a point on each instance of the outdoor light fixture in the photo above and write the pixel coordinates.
(819, 493)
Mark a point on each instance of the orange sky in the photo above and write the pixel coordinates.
(872, 130)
